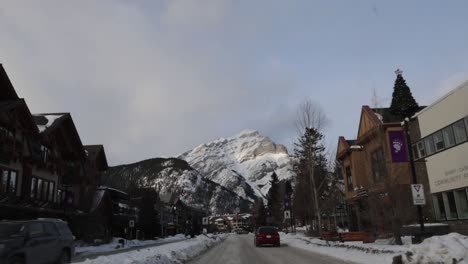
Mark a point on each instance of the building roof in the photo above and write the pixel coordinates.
(48, 123)
(9, 105)
(97, 154)
(7, 91)
(385, 116)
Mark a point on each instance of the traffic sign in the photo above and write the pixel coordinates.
(131, 223)
(287, 214)
(205, 220)
(418, 194)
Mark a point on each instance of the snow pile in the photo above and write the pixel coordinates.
(173, 253)
(243, 163)
(451, 248)
(115, 245)
(350, 251)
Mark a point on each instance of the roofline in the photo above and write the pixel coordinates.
(459, 87)
(4, 76)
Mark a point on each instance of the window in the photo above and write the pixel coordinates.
(459, 131)
(450, 206)
(45, 186)
(429, 143)
(44, 153)
(439, 141)
(51, 191)
(12, 184)
(33, 187)
(4, 182)
(415, 152)
(461, 200)
(349, 179)
(421, 149)
(378, 165)
(8, 181)
(60, 196)
(39, 189)
(439, 206)
(449, 138)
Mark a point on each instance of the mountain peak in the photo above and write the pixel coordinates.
(242, 163)
(248, 133)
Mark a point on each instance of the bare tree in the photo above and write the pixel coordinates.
(312, 118)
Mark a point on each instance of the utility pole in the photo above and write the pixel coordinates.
(413, 169)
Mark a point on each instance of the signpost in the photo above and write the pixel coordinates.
(418, 194)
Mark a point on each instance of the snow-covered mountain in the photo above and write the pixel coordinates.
(243, 163)
(174, 177)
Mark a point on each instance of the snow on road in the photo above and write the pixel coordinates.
(173, 253)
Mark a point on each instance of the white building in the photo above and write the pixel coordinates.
(443, 145)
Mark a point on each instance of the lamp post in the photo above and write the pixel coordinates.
(413, 169)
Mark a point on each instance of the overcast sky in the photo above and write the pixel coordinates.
(156, 78)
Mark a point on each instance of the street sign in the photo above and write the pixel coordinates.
(287, 214)
(418, 194)
(131, 223)
(204, 220)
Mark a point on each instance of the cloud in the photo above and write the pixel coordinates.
(142, 82)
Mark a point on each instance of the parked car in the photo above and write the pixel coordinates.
(36, 241)
(267, 235)
(241, 231)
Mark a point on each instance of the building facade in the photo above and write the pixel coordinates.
(377, 173)
(440, 151)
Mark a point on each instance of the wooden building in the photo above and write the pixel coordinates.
(377, 173)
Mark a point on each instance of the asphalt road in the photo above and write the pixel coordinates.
(240, 249)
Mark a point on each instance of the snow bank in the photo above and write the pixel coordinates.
(451, 248)
(174, 253)
(115, 245)
(350, 251)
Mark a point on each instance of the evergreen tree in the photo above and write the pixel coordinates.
(259, 212)
(310, 154)
(274, 200)
(403, 104)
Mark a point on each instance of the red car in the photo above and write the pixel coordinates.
(267, 235)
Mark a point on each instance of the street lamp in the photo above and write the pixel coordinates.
(405, 124)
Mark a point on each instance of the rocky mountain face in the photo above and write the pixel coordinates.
(219, 176)
(243, 163)
(175, 177)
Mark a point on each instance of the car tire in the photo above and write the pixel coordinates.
(16, 260)
(64, 257)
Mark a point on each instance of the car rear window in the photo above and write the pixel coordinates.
(267, 230)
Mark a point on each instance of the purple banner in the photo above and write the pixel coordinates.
(398, 146)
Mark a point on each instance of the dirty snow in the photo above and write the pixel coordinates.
(174, 253)
(451, 248)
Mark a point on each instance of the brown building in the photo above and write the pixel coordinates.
(377, 173)
(44, 169)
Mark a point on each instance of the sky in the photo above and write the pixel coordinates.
(157, 78)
